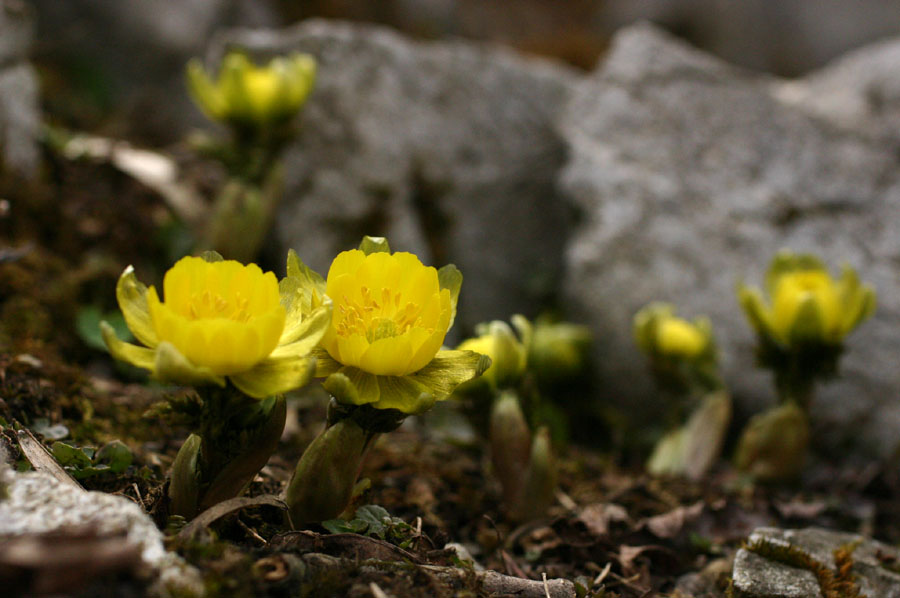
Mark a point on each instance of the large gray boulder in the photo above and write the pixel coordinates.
(19, 117)
(446, 148)
(689, 175)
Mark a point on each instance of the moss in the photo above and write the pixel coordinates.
(839, 583)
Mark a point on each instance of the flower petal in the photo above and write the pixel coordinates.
(307, 334)
(139, 356)
(371, 245)
(172, 366)
(275, 375)
(449, 277)
(449, 369)
(132, 297)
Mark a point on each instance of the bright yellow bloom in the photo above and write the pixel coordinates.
(246, 94)
(508, 356)
(808, 305)
(391, 314)
(660, 333)
(679, 338)
(220, 318)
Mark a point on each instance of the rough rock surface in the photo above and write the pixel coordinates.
(447, 148)
(689, 175)
(37, 503)
(757, 577)
(19, 118)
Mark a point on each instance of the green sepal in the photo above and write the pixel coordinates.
(141, 357)
(184, 482)
(309, 281)
(131, 294)
(539, 486)
(773, 445)
(450, 278)
(212, 256)
(370, 245)
(171, 366)
(858, 300)
(204, 92)
(413, 393)
(323, 481)
(755, 308)
(510, 439)
(808, 326)
(275, 375)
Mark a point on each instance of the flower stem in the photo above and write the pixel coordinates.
(236, 437)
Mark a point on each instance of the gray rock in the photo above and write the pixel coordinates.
(446, 148)
(131, 54)
(16, 31)
(689, 175)
(859, 92)
(757, 577)
(19, 117)
(37, 503)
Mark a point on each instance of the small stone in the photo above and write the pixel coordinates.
(36, 503)
(757, 577)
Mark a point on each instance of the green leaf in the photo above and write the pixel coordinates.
(70, 456)
(116, 455)
(339, 526)
(87, 324)
(374, 516)
(371, 245)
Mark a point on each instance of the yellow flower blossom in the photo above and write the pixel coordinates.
(508, 356)
(808, 305)
(248, 95)
(679, 338)
(221, 319)
(659, 332)
(391, 315)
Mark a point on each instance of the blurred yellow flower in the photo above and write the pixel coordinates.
(808, 305)
(220, 318)
(679, 338)
(508, 356)
(248, 95)
(391, 314)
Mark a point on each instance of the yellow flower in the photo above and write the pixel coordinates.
(679, 338)
(660, 333)
(508, 356)
(221, 319)
(248, 95)
(808, 305)
(391, 314)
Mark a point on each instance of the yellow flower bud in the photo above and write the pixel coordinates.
(245, 94)
(661, 334)
(507, 354)
(808, 306)
(679, 338)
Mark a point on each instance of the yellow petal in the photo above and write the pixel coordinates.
(132, 297)
(172, 366)
(275, 375)
(388, 357)
(119, 349)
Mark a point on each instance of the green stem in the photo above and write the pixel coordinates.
(236, 437)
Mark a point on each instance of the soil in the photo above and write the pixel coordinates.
(614, 530)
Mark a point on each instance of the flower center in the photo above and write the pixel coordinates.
(384, 317)
(208, 305)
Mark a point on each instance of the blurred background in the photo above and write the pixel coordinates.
(95, 55)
